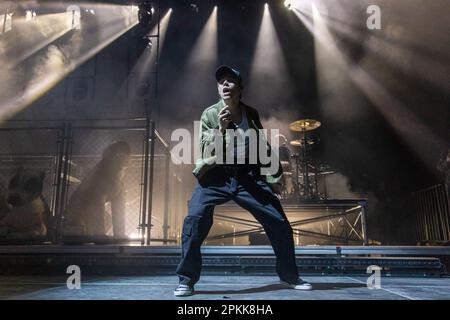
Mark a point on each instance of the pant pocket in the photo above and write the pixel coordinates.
(187, 227)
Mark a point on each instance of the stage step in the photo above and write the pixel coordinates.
(169, 250)
(132, 265)
(130, 260)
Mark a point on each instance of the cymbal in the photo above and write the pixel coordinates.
(304, 125)
(299, 142)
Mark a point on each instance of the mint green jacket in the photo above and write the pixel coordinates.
(208, 122)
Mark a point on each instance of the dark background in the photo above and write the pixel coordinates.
(367, 132)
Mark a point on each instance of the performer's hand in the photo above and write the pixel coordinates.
(277, 188)
(224, 118)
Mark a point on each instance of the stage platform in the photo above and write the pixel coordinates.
(117, 260)
(223, 288)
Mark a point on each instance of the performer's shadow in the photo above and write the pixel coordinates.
(277, 287)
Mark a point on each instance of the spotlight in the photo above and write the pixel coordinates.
(73, 17)
(144, 44)
(5, 22)
(288, 4)
(194, 7)
(145, 14)
(30, 15)
(148, 42)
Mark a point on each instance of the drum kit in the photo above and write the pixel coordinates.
(301, 175)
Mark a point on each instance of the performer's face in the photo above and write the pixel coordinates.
(228, 88)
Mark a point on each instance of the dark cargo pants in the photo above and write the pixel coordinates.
(250, 192)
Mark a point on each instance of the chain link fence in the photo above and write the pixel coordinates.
(97, 176)
(26, 154)
(95, 182)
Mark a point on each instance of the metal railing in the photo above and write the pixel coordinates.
(330, 222)
(64, 155)
(432, 214)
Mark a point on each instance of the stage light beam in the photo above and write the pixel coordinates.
(147, 59)
(36, 34)
(58, 61)
(288, 4)
(268, 73)
(330, 58)
(204, 53)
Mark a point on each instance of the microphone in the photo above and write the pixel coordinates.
(232, 125)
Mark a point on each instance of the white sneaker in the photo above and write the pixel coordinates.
(183, 290)
(300, 285)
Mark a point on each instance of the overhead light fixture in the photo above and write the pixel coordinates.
(148, 44)
(30, 15)
(144, 45)
(73, 17)
(6, 22)
(288, 4)
(194, 7)
(145, 14)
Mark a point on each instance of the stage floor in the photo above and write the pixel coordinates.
(223, 288)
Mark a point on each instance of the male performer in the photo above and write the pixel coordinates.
(243, 183)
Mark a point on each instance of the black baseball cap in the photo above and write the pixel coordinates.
(226, 70)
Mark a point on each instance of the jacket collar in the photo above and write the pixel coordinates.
(219, 105)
